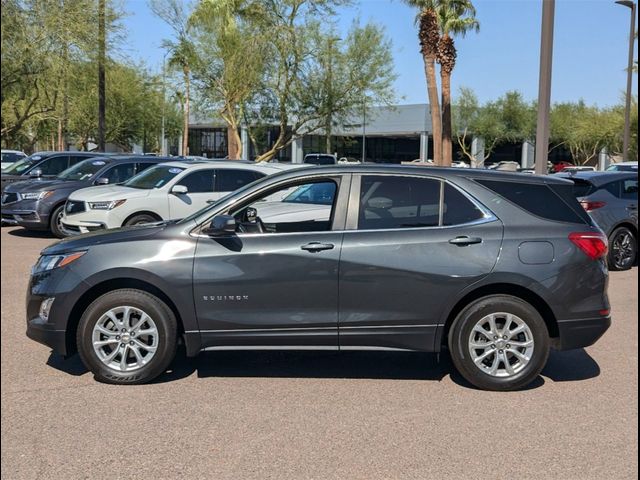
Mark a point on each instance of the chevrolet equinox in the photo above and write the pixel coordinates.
(496, 267)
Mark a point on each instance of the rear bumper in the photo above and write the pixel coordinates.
(580, 333)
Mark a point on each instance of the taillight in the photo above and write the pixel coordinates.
(589, 206)
(594, 245)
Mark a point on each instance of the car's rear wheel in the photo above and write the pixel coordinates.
(127, 336)
(55, 222)
(140, 219)
(623, 249)
(499, 342)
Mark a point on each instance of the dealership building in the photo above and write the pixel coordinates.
(390, 135)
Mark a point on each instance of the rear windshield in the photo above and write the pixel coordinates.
(555, 202)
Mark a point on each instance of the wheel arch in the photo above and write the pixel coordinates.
(626, 224)
(106, 286)
(514, 290)
(143, 212)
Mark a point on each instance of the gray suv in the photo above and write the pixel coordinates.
(611, 198)
(496, 267)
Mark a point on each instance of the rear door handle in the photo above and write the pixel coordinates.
(317, 246)
(462, 241)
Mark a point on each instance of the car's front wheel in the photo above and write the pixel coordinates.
(499, 342)
(55, 222)
(140, 219)
(127, 336)
(623, 249)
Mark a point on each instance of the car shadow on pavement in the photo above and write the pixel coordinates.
(570, 366)
(72, 365)
(302, 364)
(24, 233)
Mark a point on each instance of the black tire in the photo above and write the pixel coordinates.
(623, 249)
(461, 331)
(54, 222)
(165, 323)
(139, 219)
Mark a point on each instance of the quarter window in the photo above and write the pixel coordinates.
(630, 189)
(613, 188)
(398, 202)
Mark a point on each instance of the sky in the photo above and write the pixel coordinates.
(589, 58)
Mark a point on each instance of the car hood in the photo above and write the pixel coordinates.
(124, 234)
(44, 185)
(271, 212)
(105, 193)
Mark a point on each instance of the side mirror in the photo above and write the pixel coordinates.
(102, 181)
(179, 189)
(221, 225)
(36, 172)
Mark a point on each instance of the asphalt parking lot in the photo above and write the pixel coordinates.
(278, 415)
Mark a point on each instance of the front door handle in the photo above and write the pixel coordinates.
(316, 246)
(462, 241)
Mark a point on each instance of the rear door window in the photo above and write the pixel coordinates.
(630, 189)
(54, 165)
(391, 202)
(458, 209)
(228, 180)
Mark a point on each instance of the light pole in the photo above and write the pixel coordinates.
(364, 122)
(627, 106)
(163, 150)
(544, 86)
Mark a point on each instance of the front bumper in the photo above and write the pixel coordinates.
(89, 221)
(580, 333)
(46, 334)
(25, 213)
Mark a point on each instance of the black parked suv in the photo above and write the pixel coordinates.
(42, 165)
(496, 267)
(38, 204)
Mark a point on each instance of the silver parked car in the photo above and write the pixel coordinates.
(611, 198)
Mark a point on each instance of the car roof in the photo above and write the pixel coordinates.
(444, 172)
(203, 165)
(598, 178)
(12, 151)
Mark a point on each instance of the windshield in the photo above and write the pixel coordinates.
(320, 159)
(83, 170)
(21, 165)
(154, 177)
(314, 193)
(622, 168)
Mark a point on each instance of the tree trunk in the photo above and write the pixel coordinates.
(234, 142)
(327, 130)
(60, 141)
(447, 146)
(434, 106)
(185, 125)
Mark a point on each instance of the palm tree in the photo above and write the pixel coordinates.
(182, 58)
(429, 35)
(455, 17)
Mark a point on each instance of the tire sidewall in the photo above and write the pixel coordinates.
(163, 318)
(463, 326)
(610, 259)
(53, 224)
(139, 219)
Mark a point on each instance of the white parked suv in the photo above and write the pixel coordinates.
(166, 191)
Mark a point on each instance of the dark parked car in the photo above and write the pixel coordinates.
(611, 198)
(498, 267)
(39, 204)
(42, 165)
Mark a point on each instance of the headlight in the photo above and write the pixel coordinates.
(49, 262)
(105, 205)
(35, 195)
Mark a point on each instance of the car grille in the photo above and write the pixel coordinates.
(9, 198)
(72, 207)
